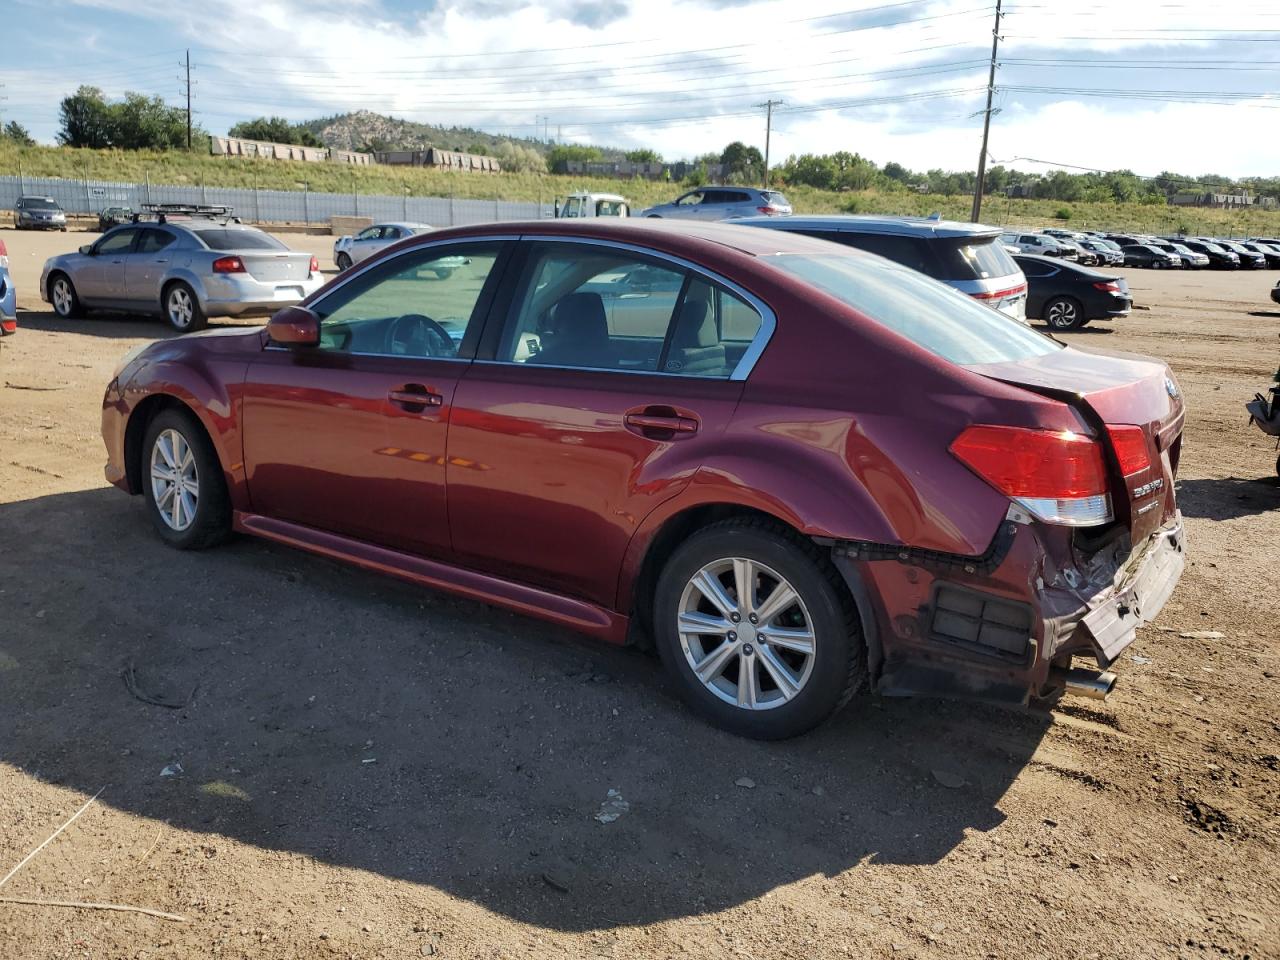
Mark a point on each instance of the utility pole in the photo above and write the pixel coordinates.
(187, 90)
(768, 130)
(986, 121)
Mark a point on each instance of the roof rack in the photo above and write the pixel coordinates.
(163, 211)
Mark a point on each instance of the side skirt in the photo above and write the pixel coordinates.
(564, 611)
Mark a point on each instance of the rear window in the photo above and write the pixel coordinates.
(932, 315)
(974, 260)
(217, 238)
(774, 199)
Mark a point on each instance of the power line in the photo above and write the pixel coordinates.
(986, 119)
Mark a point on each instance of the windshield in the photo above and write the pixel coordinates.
(34, 203)
(218, 238)
(981, 259)
(930, 314)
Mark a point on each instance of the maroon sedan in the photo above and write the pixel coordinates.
(797, 469)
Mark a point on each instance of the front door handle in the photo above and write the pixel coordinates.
(415, 397)
(660, 423)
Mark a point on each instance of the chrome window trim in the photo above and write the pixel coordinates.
(768, 320)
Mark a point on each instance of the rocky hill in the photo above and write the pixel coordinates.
(352, 131)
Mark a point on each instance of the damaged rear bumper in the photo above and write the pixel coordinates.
(1005, 627)
(1137, 595)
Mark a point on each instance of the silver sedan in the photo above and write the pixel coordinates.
(185, 271)
(350, 250)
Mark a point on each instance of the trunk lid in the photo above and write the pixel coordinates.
(1115, 389)
(273, 265)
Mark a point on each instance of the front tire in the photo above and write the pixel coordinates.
(1064, 313)
(182, 309)
(343, 262)
(183, 483)
(62, 294)
(757, 630)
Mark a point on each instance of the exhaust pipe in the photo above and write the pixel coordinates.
(1093, 684)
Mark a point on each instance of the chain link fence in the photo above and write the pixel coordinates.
(88, 197)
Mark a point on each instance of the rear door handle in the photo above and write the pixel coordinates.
(415, 397)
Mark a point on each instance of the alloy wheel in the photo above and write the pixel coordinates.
(746, 634)
(181, 307)
(1062, 313)
(175, 481)
(62, 296)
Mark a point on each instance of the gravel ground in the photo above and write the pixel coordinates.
(363, 769)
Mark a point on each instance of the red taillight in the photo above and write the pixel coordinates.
(4, 254)
(8, 326)
(229, 265)
(767, 211)
(1107, 286)
(1058, 476)
(315, 265)
(1130, 445)
(1001, 294)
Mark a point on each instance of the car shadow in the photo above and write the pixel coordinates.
(122, 326)
(347, 717)
(1231, 497)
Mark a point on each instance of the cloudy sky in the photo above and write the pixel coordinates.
(1145, 85)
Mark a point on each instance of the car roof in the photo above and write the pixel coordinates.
(598, 196)
(893, 226)
(684, 235)
(412, 225)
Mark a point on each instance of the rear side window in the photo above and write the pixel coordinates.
(930, 314)
(218, 238)
(1036, 269)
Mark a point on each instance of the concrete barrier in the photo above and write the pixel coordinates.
(341, 226)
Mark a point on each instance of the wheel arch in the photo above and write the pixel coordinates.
(643, 567)
(218, 428)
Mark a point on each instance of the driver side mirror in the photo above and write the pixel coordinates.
(87, 249)
(294, 327)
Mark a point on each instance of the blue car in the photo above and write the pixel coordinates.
(8, 296)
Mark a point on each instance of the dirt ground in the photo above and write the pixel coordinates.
(368, 770)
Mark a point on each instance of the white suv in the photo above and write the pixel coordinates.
(723, 203)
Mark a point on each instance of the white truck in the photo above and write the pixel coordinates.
(592, 205)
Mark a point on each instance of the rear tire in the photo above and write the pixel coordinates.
(780, 675)
(1064, 313)
(182, 309)
(183, 483)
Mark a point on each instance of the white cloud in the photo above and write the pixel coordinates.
(596, 69)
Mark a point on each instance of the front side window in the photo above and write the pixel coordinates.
(930, 314)
(689, 199)
(419, 305)
(119, 242)
(369, 233)
(593, 308)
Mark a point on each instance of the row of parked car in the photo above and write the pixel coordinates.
(1142, 250)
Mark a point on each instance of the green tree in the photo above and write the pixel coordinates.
(742, 162)
(896, 171)
(275, 130)
(85, 119)
(479, 149)
(644, 156)
(16, 133)
(147, 123)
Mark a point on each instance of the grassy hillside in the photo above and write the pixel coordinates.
(182, 168)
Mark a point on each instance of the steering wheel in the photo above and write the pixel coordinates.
(415, 335)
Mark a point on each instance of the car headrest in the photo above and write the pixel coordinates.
(694, 326)
(580, 317)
